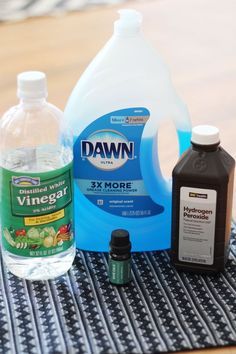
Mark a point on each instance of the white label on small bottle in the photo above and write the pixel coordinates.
(197, 225)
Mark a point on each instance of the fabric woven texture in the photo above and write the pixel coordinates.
(161, 310)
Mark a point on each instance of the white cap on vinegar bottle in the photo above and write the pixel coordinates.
(129, 23)
(31, 85)
(205, 135)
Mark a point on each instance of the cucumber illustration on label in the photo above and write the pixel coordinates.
(31, 205)
(36, 184)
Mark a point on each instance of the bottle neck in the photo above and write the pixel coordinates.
(127, 30)
(32, 102)
(120, 257)
(205, 148)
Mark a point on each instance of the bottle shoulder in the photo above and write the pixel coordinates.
(31, 110)
(30, 125)
(121, 66)
(119, 257)
(213, 166)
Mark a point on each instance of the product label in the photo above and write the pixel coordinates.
(107, 164)
(119, 271)
(197, 225)
(37, 212)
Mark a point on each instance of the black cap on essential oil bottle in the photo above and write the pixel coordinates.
(120, 242)
(120, 257)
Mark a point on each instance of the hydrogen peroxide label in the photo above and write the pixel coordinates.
(37, 213)
(197, 225)
(107, 164)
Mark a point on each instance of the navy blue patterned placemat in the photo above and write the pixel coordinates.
(160, 311)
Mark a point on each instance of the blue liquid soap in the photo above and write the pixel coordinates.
(114, 112)
(184, 137)
(147, 231)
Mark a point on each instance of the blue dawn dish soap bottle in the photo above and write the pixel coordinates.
(115, 111)
(36, 184)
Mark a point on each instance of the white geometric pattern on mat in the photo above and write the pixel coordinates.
(161, 310)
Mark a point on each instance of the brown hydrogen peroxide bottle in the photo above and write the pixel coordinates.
(202, 204)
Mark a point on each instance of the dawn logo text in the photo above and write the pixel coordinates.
(107, 149)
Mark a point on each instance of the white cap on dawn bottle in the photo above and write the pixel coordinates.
(129, 23)
(205, 135)
(32, 84)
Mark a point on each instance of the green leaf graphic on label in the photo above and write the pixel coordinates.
(37, 213)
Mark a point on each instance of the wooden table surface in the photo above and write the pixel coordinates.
(196, 38)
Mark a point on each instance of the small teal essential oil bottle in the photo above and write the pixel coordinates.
(120, 257)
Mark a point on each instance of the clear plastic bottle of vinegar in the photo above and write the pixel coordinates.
(36, 186)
